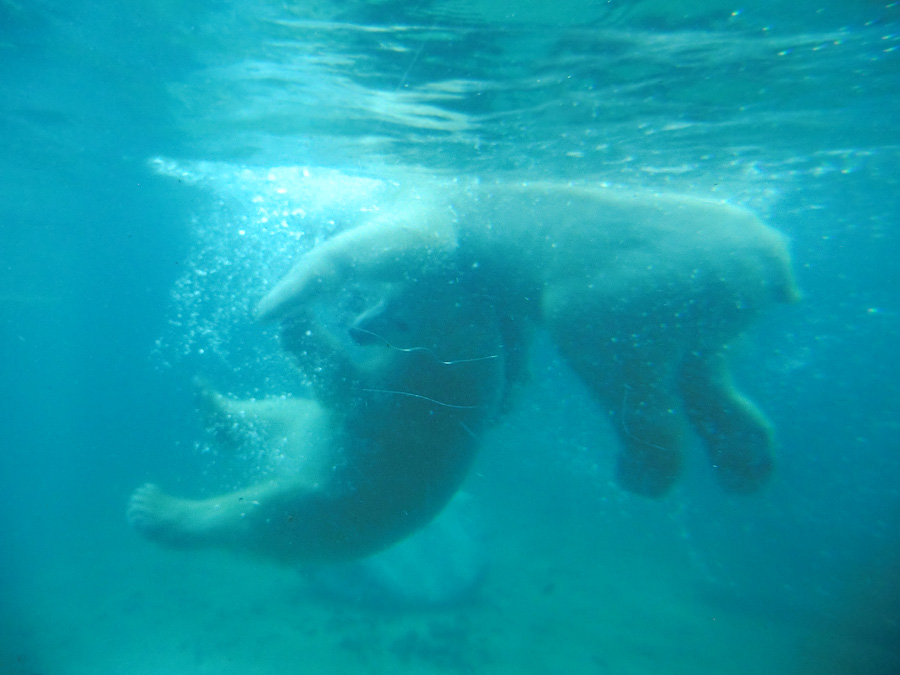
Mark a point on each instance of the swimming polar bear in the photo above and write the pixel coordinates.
(641, 293)
(416, 318)
(379, 449)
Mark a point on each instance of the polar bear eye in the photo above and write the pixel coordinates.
(364, 337)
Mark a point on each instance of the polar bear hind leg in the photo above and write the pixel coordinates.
(296, 432)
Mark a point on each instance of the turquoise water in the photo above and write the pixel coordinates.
(151, 150)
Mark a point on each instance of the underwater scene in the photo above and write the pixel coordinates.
(450, 337)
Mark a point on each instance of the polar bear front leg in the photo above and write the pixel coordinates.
(408, 239)
(738, 437)
(222, 521)
(650, 428)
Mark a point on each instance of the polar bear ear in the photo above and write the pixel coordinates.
(777, 272)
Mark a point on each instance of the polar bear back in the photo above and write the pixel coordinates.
(614, 247)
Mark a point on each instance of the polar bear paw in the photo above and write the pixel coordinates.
(159, 516)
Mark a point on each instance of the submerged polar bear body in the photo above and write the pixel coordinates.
(641, 293)
(379, 449)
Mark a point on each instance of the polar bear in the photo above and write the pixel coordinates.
(641, 292)
(415, 321)
(377, 450)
